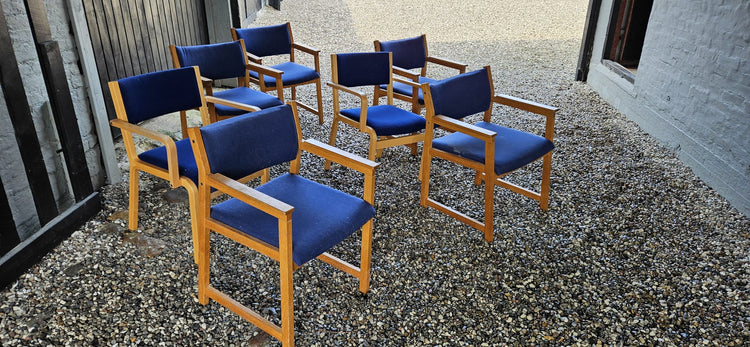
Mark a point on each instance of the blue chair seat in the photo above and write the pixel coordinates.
(317, 224)
(293, 74)
(405, 89)
(185, 159)
(513, 148)
(388, 119)
(246, 96)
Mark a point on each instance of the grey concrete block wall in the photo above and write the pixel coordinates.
(12, 172)
(692, 88)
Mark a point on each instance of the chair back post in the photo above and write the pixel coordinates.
(390, 79)
(291, 41)
(423, 72)
(294, 165)
(335, 79)
(487, 117)
(244, 81)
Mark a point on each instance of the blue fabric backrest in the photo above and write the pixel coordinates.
(216, 61)
(407, 53)
(462, 95)
(241, 145)
(268, 40)
(157, 93)
(363, 69)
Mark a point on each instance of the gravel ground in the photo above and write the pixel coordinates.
(634, 250)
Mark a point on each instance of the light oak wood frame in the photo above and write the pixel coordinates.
(283, 212)
(171, 174)
(416, 107)
(377, 143)
(242, 81)
(484, 171)
(276, 74)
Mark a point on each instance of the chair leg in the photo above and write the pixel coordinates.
(320, 101)
(294, 92)
(373, 151)
(546, 171)
(489, 204)
(133, 200)
(204, 267)
(365, 258)
(194, 218)
(424, 173)
(332, 139)
(286, 268)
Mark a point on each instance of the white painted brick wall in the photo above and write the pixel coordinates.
(14, 178)
(692, 88)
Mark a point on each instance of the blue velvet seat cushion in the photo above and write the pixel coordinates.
(293, 74)
(246, 96)
(405, 89)
(322, 216)
(185, 159)
(513, 149)
(388, 119)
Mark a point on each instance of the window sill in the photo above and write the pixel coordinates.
(619, 70)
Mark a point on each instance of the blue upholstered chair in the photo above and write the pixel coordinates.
(408, 55)
(277, 40)
(491, 150)
(387, 125)
(290, 219)
(224, 61)
(141, 98)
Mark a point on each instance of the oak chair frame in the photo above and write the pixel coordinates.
(283, 212)
(277, 74)
(485, 171)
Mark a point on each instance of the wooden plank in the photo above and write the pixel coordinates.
(31, 250)
(114, 33)
(77, 12)
(154, 37)
(143, 55)
(191, 15)
(23, 124)
(179, 21)
(132, 48)
(63, 111)
(8, 232)
(105, 62)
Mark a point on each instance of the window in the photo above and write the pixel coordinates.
(627, 30)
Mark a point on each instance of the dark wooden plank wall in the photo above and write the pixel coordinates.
(132, 37)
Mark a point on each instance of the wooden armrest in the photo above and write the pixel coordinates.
(406, 73)
(254, 58)
(252, 197)
(463, 127)
(306, 49)
(169, 145)
(408, 82)
(225, 102)
(534, 107)
(154, 135)
(339, 156)
(461, 67)
(265, 70)
(525, 105)
(362, 96)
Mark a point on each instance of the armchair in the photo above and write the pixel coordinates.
(409, 54)
(493, 151)
(278, 40)
(290, 219)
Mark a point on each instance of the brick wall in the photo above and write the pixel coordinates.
(12, 171)
(692, 88)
